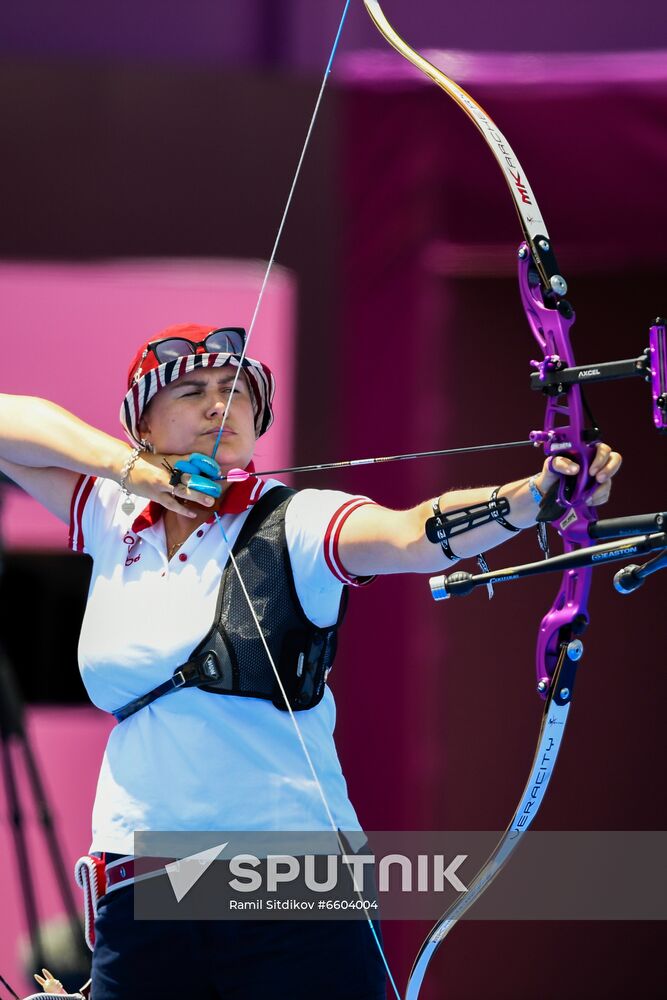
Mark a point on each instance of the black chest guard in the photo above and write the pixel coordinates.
(232, 658)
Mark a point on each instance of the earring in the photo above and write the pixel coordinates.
(147, 446)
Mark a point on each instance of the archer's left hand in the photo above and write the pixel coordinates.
(603, 468)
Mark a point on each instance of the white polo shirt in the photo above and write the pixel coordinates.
(193, 760)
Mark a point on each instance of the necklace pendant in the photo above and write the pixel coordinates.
(128, 505)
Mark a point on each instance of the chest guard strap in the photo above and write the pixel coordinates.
(231, 658)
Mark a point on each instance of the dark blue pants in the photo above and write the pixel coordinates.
(231, 960)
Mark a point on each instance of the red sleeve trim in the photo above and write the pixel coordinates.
(332, 538)
(82, 491)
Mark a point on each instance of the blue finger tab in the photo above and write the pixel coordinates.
(186, 468)
(205, 465)
(202, 485)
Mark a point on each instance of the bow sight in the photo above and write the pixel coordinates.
(552, 375)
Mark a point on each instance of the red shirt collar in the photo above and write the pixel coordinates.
(237, 498)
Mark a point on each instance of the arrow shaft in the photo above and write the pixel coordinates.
(356, 462)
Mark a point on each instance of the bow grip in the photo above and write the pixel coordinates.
(566, 493)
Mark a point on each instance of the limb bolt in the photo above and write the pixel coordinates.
(575, 650)
(558, 284)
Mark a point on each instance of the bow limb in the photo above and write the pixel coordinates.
(533, 226)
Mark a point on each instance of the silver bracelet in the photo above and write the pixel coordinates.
(128, 504)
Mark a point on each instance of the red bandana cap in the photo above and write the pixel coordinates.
(146, 376)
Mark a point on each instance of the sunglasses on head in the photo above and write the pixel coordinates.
(227, 340)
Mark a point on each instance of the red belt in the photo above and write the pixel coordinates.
(127, 870)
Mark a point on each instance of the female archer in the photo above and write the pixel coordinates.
(215, 749)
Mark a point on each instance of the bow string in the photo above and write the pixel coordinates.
(297, 729)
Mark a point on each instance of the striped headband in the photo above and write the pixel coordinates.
(147, 384)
